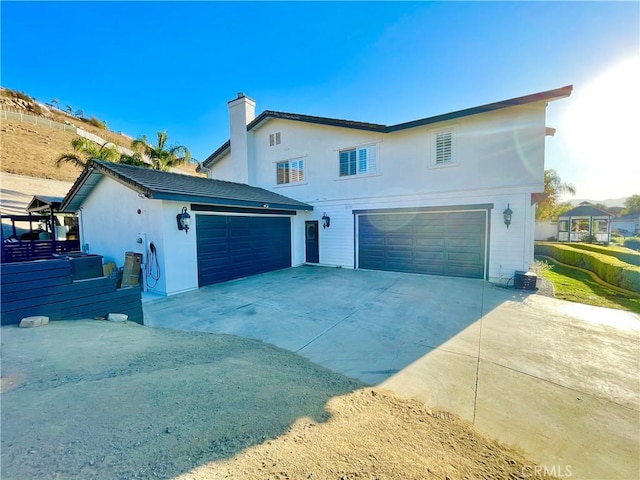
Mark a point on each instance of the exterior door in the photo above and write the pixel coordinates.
(311, 241)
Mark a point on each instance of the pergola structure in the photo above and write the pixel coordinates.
(46, 239)
(584, 221)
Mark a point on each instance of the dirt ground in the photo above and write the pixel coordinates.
(100, 400)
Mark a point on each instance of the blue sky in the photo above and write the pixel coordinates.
(149, 66)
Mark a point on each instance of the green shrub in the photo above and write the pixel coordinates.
(620, 254)
(608, 268)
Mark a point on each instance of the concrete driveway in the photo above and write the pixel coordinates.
(558, 380)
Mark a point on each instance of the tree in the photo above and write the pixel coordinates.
(56, 102)
(85, 150)
(632, 205)
(162, 158)
(554, 187)
(80, 113)
(69, 109)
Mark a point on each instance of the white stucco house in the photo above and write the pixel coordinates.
(428, 196)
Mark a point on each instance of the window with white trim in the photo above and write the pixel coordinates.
(291, 171)
(358, 161)
(444, 142)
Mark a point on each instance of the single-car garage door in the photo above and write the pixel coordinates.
(437, 243)
(238, 246)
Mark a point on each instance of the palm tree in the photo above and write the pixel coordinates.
(135, 159)
(80, 113)
(69, 109)
(162, 158)
(85, 150)
(56, 102)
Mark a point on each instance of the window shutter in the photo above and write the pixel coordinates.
(283, 172)
(277, 138)
(271, 139)
(372, 163)
(443, 147)
(297, 171)
(362, 160)
(344, 163)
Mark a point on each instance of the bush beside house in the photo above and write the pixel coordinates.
(619, 253)
(610, 269)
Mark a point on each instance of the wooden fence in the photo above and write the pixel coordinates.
(27, 250)
(46, 287)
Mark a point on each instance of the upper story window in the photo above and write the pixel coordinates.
(291, 171)
(444, 147)
(357, 161)
(274, 139)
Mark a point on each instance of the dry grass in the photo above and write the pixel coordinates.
(32, 150)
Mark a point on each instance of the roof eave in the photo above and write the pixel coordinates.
(228, 202)
(214, 157)
(546, 96)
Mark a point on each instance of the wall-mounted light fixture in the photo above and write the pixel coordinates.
(265, 205)
(326, 220)
(184, 220)
(507, 216)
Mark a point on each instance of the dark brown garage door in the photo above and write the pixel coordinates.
(437, 243)
(239, 246)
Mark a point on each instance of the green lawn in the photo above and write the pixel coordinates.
(576, 286)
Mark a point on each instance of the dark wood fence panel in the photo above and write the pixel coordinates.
(27, 250)
(46, 287)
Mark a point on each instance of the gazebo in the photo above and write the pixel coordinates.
(584, 221)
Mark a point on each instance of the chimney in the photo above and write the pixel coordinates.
(242, 111)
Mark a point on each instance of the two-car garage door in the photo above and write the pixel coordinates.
(438, 243)
(238, 246)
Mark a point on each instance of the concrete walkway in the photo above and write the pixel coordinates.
(558, 380)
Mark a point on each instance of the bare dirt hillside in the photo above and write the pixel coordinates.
(31, 150)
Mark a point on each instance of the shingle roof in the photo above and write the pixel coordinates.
(375, 127)
(158, 185)
(585, 211)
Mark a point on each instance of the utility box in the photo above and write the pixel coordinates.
(83, 265)
(525, 280)
(131, 270)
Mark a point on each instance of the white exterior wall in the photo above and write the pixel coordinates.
(110, 225)
(498, 159)
(223, 169)
(546, 229)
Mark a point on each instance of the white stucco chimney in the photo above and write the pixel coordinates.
(242, 110)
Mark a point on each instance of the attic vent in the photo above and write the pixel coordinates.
(274, 139)
(443, 148)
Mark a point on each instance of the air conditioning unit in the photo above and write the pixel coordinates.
(525, 280)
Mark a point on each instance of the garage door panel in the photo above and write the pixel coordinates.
(431, 268)
(429, 243)
(432, 256)
(238, 246)
(437, 243)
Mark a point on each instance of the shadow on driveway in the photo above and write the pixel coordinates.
(90, 399)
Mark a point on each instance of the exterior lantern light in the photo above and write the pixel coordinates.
(326, 220)
(507, 216)
(184, 220)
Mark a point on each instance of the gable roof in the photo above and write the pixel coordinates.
(40, 203)
(158, 185)
(585, 211)
(548, 95)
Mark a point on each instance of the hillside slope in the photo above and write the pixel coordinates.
(31, 150)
